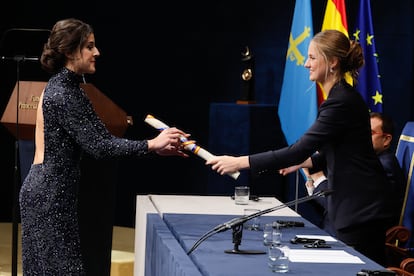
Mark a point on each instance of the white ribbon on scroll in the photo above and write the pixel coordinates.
(188, 145)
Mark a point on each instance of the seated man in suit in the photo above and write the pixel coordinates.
(382, 129)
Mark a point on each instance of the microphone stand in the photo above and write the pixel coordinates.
(17, 178)
(236, 224)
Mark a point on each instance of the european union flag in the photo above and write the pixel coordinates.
(369, 84)
(298, 101)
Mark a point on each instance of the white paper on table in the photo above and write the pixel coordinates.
(319, 237)
(323, 256)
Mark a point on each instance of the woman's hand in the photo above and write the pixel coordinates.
(305, 164)
(168, 142)
(226, 164)
(288, 170)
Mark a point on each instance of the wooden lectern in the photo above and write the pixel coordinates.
(97, 188)
(29, 92)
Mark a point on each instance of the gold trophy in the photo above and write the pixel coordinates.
(247, 76)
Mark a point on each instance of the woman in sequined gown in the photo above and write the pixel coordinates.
(67, 125)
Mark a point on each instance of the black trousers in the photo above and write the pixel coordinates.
(367, 238)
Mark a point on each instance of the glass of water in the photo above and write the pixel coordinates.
(272, 234)
(254, 223)
(278, 258)
(276, 234)
(267, 234)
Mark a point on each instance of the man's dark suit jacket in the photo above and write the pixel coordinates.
(342, 135)
(397, 182)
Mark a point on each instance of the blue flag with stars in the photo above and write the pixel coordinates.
(298, 100)
(369, 84)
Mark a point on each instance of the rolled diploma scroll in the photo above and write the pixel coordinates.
(188, 145)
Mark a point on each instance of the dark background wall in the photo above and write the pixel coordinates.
(173, 59)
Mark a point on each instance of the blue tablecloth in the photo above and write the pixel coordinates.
(210, 259)
(164, 255)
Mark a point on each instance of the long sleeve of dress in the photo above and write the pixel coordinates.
(76, 121)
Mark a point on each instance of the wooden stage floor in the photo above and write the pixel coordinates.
(122, 250)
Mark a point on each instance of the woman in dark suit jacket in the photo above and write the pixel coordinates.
(341, 134)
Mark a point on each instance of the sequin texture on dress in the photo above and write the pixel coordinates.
(48, 196)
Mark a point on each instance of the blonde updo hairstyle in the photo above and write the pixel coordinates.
(333, 43)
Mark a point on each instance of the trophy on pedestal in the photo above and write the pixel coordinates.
(247, 76)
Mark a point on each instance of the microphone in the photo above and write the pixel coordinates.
(235, 222)
(17, 37)
(19, 58)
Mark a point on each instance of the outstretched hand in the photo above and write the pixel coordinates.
(305, 164)
(288, 170)
(226, 164)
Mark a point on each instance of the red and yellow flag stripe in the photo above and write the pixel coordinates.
(335, 18)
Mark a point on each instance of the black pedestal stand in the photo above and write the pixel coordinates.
(237, 237)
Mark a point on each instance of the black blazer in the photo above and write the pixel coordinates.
(342, 135)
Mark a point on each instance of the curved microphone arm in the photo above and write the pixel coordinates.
(19, 57)
(240, 220)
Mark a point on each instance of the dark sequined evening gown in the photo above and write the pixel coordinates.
(48, 196)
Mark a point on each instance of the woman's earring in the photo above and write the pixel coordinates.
(331, 70)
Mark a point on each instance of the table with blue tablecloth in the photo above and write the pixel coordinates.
(171, 234)
(188, 204)
(210, 257)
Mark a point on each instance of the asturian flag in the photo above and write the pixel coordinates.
(298, 101)
(368, 84)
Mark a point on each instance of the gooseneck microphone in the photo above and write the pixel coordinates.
(237, 222)
(20, 58)
(13, 36)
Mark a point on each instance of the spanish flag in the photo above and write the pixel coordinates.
(335, 18)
